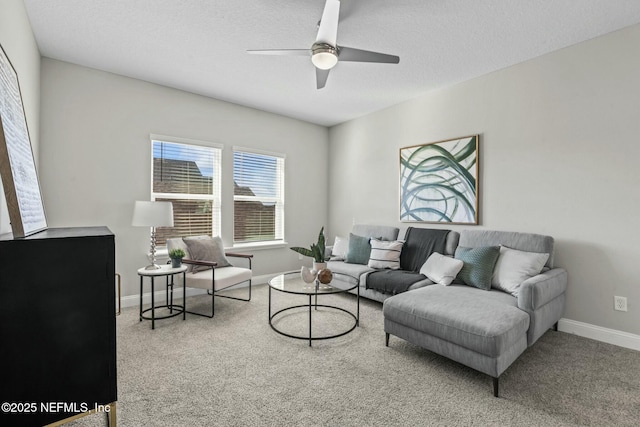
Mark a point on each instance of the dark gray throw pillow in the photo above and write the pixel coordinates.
(478, 265)
(359, 250)
(206, 249)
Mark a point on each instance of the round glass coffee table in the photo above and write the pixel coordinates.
(292, 283)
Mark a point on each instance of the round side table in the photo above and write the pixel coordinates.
(174, 309)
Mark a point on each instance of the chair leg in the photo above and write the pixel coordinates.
(386, 339)
(214, 295)
(236, 298)
(495, 387)
(213, 299)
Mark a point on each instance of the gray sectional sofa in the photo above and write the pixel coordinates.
(486, 330)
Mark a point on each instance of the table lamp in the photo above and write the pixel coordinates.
(152, 214)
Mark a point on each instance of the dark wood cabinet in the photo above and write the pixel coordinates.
(57, 324)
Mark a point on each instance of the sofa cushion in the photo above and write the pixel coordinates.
(352, 270)
(359, 250)
(520, 241)
(392, 281)
(478, 265)
(514, 267)
(421, 284)
(383, 232)
(385, 254)
(441, 269)
(486, 322)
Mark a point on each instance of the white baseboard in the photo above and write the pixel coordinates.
(598, 333)
(160, 296)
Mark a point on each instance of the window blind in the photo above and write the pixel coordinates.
(188, 175)
(258, 197)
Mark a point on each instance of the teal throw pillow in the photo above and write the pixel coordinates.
(359, 250)
(478, 265)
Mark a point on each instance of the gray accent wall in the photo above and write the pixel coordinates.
(559, 156)
(96, 158)
(16, 37)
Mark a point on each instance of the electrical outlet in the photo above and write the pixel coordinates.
(619, 303)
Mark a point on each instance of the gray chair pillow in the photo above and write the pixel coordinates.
(206, 249)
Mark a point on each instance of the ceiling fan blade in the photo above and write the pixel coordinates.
(284, 52)
(359, 55)
(321, 77)
(328, 31)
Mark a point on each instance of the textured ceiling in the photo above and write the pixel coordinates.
(200, 45)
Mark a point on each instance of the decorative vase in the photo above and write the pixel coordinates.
(325, 276)
(176, 262)
(307, 275)
(317, 266)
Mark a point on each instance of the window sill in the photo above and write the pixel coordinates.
(257, 246)
(162, 254)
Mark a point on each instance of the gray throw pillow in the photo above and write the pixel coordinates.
(206, 249)
(359, 250)
(478, 265)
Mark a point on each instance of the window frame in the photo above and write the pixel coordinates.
(215, 198)
(278, 200)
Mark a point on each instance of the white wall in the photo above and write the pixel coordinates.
(20, 46)
(96, 158)
(559, 156)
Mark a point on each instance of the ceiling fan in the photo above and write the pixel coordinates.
(325, 52)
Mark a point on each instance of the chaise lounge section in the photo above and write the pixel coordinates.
(486, 330)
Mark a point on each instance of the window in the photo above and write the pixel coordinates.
(258, 196)
(187, 173)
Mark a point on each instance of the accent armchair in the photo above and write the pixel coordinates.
(209, 268)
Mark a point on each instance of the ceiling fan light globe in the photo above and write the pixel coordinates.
(324, 56)
(324, 60)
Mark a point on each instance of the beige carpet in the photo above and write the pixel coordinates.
(233, 370)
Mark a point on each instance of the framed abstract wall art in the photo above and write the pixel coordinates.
(17, 166)
(439, 182)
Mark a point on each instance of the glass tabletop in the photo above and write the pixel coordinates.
(292, 283)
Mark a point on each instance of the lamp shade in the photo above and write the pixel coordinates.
(152, 214)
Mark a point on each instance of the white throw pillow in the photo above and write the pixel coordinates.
(514, 267)
(340, 248)
(385, 254)
(441, 269)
